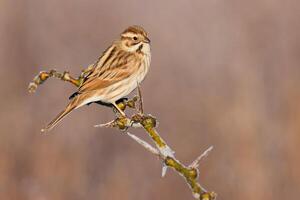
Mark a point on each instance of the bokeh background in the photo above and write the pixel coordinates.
(224, 73)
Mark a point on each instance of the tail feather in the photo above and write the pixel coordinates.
(71, 106)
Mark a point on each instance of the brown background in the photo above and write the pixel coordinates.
(224, 73)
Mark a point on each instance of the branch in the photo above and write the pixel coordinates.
(162, 150)
(65, 76)
(165, 153)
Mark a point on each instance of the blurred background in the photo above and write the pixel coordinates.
(223, 73)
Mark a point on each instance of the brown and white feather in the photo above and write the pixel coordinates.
(115, 74)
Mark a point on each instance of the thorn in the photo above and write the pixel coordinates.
(195, 163)
(164, 170)
(144, 144)
(99, 125)
(106, 125)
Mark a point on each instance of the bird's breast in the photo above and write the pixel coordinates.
(144, 68)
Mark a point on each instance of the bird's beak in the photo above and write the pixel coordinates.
(147, 40)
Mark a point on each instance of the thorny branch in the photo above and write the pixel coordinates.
(165, 153)
(162, 150)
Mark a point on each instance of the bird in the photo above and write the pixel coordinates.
(117, 72)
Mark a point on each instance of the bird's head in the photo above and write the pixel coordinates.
(135, 39)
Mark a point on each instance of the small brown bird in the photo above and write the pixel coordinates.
(121, 68)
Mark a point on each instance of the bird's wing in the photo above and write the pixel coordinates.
(112, 70)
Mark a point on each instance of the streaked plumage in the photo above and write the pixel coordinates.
(116, 73)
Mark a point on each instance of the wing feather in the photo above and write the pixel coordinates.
(111, 68)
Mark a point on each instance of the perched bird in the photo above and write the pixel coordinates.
(120, 69)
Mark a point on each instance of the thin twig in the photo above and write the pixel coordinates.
(65, 76)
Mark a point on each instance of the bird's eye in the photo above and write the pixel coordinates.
(135, 38)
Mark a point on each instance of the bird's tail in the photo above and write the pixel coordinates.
(71, 106)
